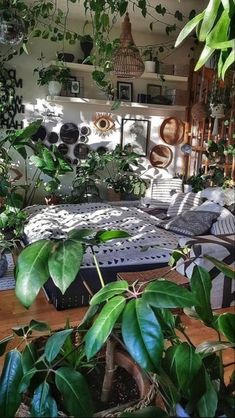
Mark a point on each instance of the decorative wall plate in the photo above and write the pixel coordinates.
(69, 133)
(81, 151)
(85, 130)
(40, 134)
(172, 131)
(161, 156)
(83, 139)
(63, 148)
(53, 137)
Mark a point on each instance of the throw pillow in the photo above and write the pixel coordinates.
(210, 207)
(214, 194)
(163, 190)
(225, 224)
(190, 223)
(182, 202)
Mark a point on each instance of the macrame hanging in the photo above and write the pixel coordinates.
(127, 62)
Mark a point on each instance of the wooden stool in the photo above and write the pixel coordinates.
(145, 276)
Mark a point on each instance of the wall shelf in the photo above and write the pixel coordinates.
(108, 103)
(73, 66)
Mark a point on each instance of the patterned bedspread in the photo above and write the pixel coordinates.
(147, 244)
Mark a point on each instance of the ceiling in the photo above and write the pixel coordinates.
(139, 23)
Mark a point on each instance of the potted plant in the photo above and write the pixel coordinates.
(143, 321)
(150, 60)
(55, 77)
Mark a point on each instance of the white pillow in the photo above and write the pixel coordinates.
(229, 196)
(214, 194)
(225, 224)
(163, 190)
(182, 202)
(209, 206)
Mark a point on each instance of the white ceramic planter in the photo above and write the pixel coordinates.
(217, 111)
(150, 66)
(54, 88)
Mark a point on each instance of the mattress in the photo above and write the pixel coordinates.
(148, 244)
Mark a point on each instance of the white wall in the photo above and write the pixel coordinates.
(34, 98)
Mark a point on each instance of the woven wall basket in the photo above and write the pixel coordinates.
(161, 156)
(172, 131)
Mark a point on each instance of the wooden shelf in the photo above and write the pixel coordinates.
(130, 105)
(148, 76)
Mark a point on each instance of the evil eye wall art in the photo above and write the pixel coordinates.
(104, 124)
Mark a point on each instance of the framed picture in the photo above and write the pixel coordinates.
(135, 133)
(154, 90)
(75, 87)
(125, 91)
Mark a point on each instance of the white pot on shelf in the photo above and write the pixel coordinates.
(150, 66)
(54, 88)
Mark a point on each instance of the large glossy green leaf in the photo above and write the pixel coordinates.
(227, 270)
(209, 18)
(168, 389)
(205, 55)
(166, 294)
(42, 404)
(88, 317)
(188, 28)
(55, 343)
(103, 236)
(147, 412)
(201, 286)
(183, 366)
(103, 325)
(11, 376)
(110, 290)
(207, 404)
(142, 335)
(79, 234)
(38, 326)
(64, 263)
(26, 379)
(229, 61)
(226, 323)
(220, 31)
(32, 271)
(4, 342)
(209, 347)
(166, 320)
(75, 392)
(29, 357)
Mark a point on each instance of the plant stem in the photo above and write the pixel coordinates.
(109, 370)
(98, 268)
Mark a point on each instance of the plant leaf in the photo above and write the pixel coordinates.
(32, 271)
(201, 286)
(226, 323)
(209, 18)
(166, 294)
(209, 347)
(75, 392)
(103, 325)
(38, 326)
(187, 29)
(64, 263)
(4, 342)
(25, 381)
(12, 373)
(103, 236)
(229, 61)
(29, 357)
(55, 343)
(43, 405)
(110, 290)
(207, 405)
(227, 270)
(205, 55)
(89, 315)
(142, 335)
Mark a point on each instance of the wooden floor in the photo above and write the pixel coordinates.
(12, 313)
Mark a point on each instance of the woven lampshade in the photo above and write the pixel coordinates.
(127, 62)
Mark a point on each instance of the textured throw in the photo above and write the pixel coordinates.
(148, 243)
(190, 223)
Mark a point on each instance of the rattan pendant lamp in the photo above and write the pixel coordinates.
(127, 62)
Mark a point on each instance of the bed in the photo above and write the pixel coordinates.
(148, 246)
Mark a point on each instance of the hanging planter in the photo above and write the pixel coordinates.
(12, 27)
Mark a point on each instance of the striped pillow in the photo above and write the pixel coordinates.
(225, 224)
(163, 190)
(182, 202)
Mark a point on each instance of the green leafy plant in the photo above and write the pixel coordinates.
(190, 378)
(214, 27)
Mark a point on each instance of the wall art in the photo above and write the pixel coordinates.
(161, 156)
(104, 123)
(125, 91)
(69, 133)
(135, 133)
(81, 151)
(9, 84)
(172, 131)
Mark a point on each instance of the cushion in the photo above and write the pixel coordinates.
(190, 223)
(182, 202)
(210, 207)
(229, 196)
(163, 190)
(225, 224)
(215, 194)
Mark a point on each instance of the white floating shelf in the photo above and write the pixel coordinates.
(150, 76)
(130, 105)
